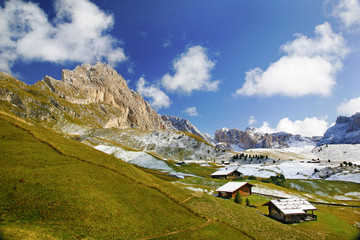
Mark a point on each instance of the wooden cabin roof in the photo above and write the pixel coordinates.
(292, 205)
(223, 172)
(232, 186)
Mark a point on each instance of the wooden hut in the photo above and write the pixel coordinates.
(292, 210)
(226, 174)
(230, 189)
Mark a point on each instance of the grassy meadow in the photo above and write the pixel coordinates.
(52, 187)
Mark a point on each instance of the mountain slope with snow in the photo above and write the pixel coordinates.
(345, 131)
(184, 125)
(163, 143)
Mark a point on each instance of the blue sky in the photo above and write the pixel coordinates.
(275, 65)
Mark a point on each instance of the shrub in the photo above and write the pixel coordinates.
(252, 177)
(247, 202)
(277, 180)
(238, 198)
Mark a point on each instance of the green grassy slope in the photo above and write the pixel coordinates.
(52, 187)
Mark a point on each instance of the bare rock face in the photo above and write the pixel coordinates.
(251, 138)
(179, 124)
(101, 84)
(92, 96)
(345, 131)
(247, 139)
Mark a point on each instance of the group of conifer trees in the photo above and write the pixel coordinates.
(248, 156)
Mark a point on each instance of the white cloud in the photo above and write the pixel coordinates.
(350, 107)
(158, 98)
(348, 11)
(192, 72)
(308, 127)
(191, 111)
(78, 33)
(252, 120)
(308, 68)
(166, 43)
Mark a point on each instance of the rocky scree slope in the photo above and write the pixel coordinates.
(251, 138)
(345, 131)
(180, 124)
(87, 97)
(165, 144)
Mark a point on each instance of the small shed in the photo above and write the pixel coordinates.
(226, 174)
(293, 210)
(230, 189)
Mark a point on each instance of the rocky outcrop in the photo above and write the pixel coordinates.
(91, 96)
(180, 124)
(345, 131)
(252, 138)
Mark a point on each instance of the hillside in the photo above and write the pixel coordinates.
(184, 125)
(166, 144)
(56, 188)
(50, 183)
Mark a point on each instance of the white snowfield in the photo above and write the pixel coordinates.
(298, 170)
(292, 170)
(141, 159)
(273, 192)
(297, 166)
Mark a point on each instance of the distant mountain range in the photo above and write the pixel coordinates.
(96, 96)
(252, 138)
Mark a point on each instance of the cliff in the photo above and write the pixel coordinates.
(88, 96)
(345, 131)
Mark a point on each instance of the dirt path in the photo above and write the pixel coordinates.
(209, 221)
(196, 194)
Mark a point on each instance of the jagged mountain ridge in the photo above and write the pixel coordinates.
(252, 138)
(345, 131)
(184, 125)
(86, 97)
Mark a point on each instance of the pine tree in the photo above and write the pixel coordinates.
(238, 198)
(247, 202)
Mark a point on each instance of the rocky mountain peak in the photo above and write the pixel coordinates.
(345, 131)
(98, 75)
(90, 96)
(180, 124)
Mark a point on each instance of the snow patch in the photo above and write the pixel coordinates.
(350, 177)
(291, 170)
(273, 192)
(353, 194)
(141, 159)
(210, 192)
